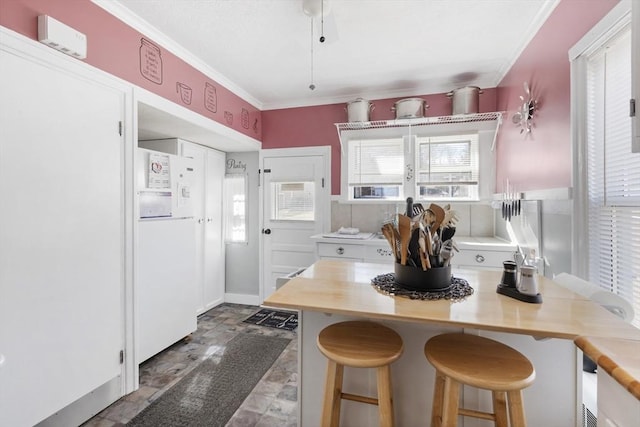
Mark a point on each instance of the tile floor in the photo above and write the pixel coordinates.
(273, 402)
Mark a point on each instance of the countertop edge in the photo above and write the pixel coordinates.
(536, 334)
(617, 372)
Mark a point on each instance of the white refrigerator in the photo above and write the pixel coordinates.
(166, 256)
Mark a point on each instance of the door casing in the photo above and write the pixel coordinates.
(324, 208)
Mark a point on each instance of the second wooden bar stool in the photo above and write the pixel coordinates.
(358, 344)
(479, 362)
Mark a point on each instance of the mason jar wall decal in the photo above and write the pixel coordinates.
(150, 61)
(210, 97)
(185, 92)
(244, 117)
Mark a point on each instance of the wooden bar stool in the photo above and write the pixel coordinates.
(478, 362)
(358, 344)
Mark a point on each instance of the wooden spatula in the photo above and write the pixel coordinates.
(439, 213)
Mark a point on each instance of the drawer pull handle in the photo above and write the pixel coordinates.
(479, 258)
(340, 250)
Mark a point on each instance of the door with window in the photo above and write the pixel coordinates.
(295, 206)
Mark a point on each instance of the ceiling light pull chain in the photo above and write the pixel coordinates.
(321, 21)
(312, 86)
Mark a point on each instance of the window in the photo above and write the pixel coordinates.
(235, 208)
(612, 173)
(293, 201)
(376, 168)
(425, 167)
(447, 167)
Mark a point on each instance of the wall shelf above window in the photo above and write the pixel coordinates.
(431, 158)
(453, 124)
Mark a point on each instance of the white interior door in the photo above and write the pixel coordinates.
(61, 239)
(295, 206)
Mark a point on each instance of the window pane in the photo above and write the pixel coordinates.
(293, 201)
(442, 161)
(448, 191)
(376, 161)
(235, 208)
(377, 192)
(613, 174)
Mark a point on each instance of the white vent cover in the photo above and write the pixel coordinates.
(59, 36)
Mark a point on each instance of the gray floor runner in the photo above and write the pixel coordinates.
(211, 393)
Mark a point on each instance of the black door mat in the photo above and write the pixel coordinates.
(286, 320)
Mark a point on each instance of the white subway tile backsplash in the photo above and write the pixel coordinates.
(481, 220)
(474, 219)
(340, 215)
(463, 226)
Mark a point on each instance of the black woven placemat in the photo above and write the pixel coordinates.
(386, 283)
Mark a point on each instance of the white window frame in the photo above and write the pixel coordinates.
(486, 158)
(606, 30)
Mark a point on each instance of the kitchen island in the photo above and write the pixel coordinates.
(334, 291)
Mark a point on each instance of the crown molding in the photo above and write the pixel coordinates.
(537, 23)
(129, 18)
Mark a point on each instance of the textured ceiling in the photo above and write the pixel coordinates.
(374, 48)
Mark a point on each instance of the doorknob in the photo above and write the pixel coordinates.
(266, 230)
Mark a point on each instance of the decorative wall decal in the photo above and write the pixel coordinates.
(255, 125)
(245, 119)
(185, 92)
(236, 164)
(150, 61)
(228, 116)
(210, 97)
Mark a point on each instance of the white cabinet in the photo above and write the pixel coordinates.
(482, 253)
(63, 248)
(207, 203)
(369, 250)
(616, 406)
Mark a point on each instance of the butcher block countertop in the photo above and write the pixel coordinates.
(620, 358)
(345, 288)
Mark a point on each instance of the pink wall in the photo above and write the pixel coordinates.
(314, 126)
(118, 49)
(543, 158)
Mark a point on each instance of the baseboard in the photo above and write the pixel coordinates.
(242, 299)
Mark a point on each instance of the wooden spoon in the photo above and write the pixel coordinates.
(404, 225)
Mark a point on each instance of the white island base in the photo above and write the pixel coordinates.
(550, 402)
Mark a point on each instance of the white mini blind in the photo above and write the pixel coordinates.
(376, 161)
(443, 160)
(613, 174)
